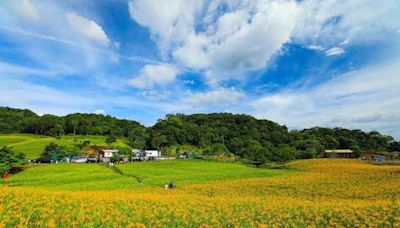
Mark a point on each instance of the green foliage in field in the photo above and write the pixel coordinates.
(9, 159)
(153, 174)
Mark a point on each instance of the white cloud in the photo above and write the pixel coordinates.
(170, 21)
(88, 28)
(23, 8)
(256, 40)
(331, 22)
(58, 29)
(316, 47)
(100, 111)
(153, 75)
(244, 37)
(365, 99)
(335, 51)
(226, 38)
(7, 68)
(40, 98)
(192, 53)
(219, 96)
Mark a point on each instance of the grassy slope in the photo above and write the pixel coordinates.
(192, 171)
(154, 174)
(33, 145)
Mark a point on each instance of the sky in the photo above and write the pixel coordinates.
(299, 63)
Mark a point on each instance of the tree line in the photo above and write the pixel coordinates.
(261, 140)
(213, 134)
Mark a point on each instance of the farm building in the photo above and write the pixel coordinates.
(146, 154)
(108, 153)
(342, 153)
(380, 156)
(153, 153)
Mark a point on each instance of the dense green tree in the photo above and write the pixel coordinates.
(111, 139)
(284, 153)
(126, 152)
(394, 146)
(9, 159)
(137, 138)
(55, 151)
(52, 149)
(115, 158)
(216, 149)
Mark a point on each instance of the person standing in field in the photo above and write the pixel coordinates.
(5, 175)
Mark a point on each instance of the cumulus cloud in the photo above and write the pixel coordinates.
(244, 37)
(365, 99)
(254, 42)
(335, 51)
(155, 75)
(169, 21)
(88, 28)
(220, 96)
(225, 38)
(331, 22)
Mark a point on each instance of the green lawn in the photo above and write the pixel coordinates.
(154, 174)
(33, 145)
(4, 141)
(158, 173)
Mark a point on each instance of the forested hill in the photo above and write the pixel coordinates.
(25, 121)
(242, 135)
(261, 140)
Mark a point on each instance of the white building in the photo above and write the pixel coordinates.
(109, 153)
(153, 153)
(146, 154)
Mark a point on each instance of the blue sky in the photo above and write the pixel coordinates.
(300, 63)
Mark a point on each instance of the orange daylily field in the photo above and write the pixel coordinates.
(316, 193)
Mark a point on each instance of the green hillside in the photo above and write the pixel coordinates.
(33, 145)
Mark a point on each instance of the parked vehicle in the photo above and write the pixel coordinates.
(139, 155)
(79, 159)
(42, 160)
(93, 160)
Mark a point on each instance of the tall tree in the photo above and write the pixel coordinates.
(111, 139)
(9, 159)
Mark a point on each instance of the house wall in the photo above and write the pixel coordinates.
(108, 155)
(153, 153)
